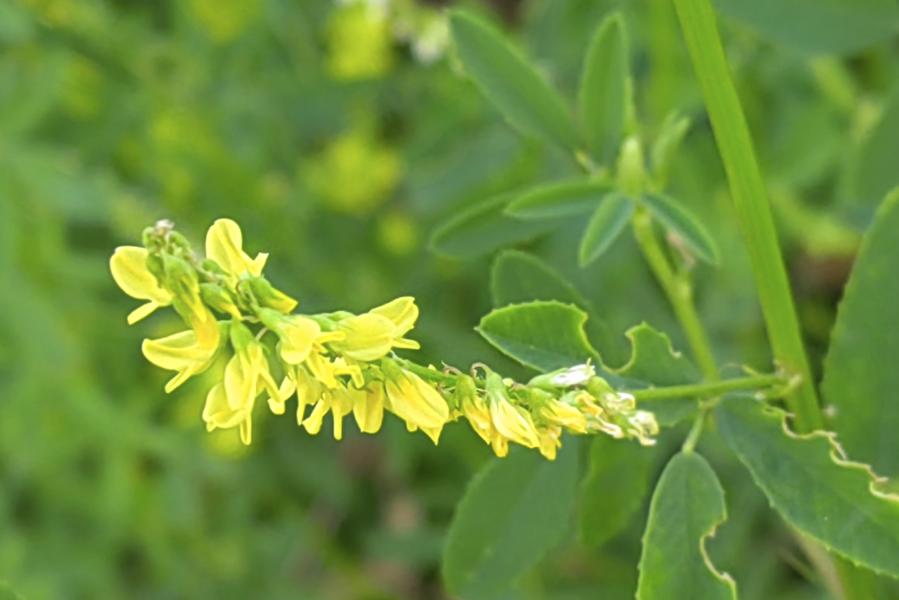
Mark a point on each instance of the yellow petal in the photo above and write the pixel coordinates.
(240, 382)
(141, 311)
(224, 245)
(297, 335)
(246, 429)
(416, 402)
(402, 312)
(179, 352)
(368, 409)
(368, 337)
(313, 423)
(514, 423)
(129, 269)
(217, 412)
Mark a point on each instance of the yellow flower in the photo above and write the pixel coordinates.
(513, 423)
(550, 441)
(129, 269)
(224, 245)
(218, 413)
(474, 408)
(299, 335)
(180, 352)
(413, 400)
(564, 414)
(339, 402)
(370, 336)
(403, 313)
(368, 409)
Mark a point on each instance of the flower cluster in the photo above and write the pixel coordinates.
(339, 363)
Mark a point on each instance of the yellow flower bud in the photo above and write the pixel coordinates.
(413, 400)
(224, 245)
(368, 409)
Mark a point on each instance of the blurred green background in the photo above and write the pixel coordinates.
(339, 135)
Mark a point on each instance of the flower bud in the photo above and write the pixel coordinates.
(266, 295)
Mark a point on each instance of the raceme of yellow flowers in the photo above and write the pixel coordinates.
(340, 363)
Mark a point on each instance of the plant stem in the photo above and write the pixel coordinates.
(717, 388)
(679, 292)
(748, 190)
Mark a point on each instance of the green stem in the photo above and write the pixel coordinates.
(703, 390)
(700, 31)
(679, 292)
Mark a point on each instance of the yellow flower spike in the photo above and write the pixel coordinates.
(402, 312)
(413, 400)
(129, 270)
(224, 245)
(367, 337)
(368, 410)
(179, 352)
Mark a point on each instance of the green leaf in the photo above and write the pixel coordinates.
(606, 224)
(812, 485)
(653, 361)
(543, 335)
(482, 229)
(819, 26)
(858, 381)
(687, 506)
(876, 173)
(614, 488)
(514, 511)
(511, 82)
(605, 93)
(559, 199)
(520, 277)
(7, 593)
(685, 225)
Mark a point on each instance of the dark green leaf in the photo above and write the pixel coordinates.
(511, 82)
(687, 506)
(605, 92)
(520, 277)
(543, 335)
(606, 224)
(877, 174)
(812, 485)
(614, 488)
(514, 511)
(482, 229)
(559, 200)
(688, 229)
(819, 26)
(858, 382)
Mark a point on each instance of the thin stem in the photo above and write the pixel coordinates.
(679, 292)
(695, 432)
(717, 388)
(700, 31)
(428, 373)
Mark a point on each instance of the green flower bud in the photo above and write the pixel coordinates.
(631, 168)
(266, 295)
(217, 298)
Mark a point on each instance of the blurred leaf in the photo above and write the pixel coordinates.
(542, 335)
(605, 92)
(877, 173)
(858, 382)
(16, 25)
(520, 277)
(6, 592)
(687, 506)
(685, 225)
(614, 487)
(812, 485)
(667, 145)
(819, 26)
(511, 83)
(482, 229)
(513, 512)
(559, 199)
(606, 224)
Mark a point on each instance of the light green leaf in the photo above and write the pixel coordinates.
(614, 488)
(653, 361)
(606, 224)
(520, 277)
(687, 506)
(543, 335)
(514, 512)
(482, 229)
(685, 225)
(605, 93)
(819, 26)
(559, 199)
(812, 485)
(511, 82)
(861, 378)
(876, 174)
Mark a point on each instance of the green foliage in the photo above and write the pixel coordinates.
(514, 511)
(614, 488)
(686, 227)
(830, 27)
(542, 335)
(524, 98)
(876, 174)
(654, 361)
(687, 507)
(558, 200)
(858, 382)
(813, 486)
(605, 91)
(608, 221)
